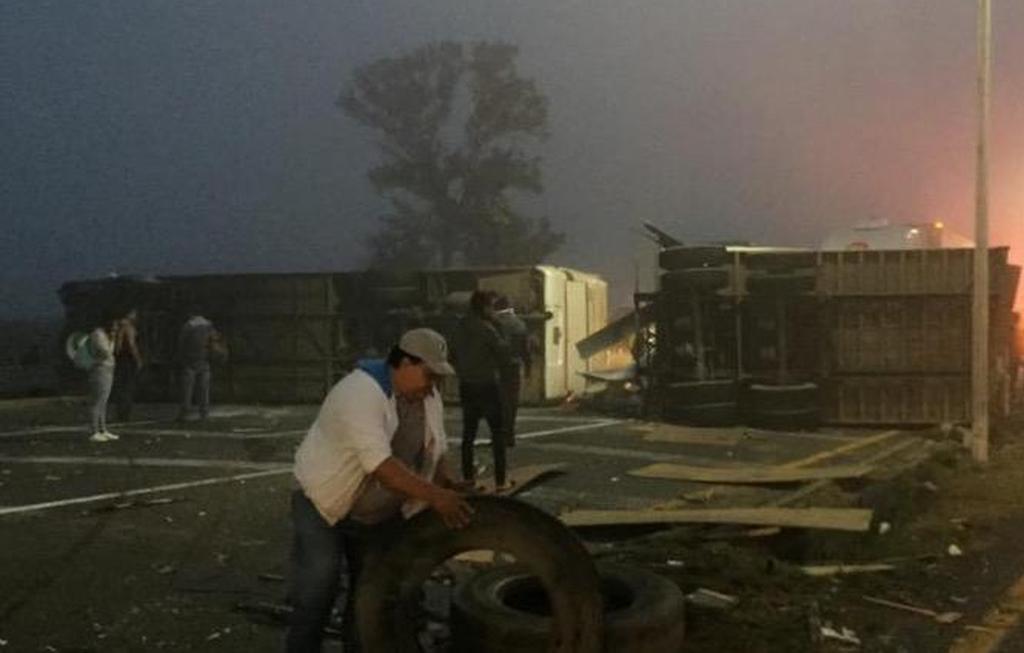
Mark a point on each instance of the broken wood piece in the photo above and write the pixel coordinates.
(519, 478)
(748, 474)
(939, 617)
(702, 597)
(843, 519)
(838, 570)
(746, 533)
(692, 435)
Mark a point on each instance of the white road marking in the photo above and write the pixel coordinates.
(45, 430)
(538, 434)
(34, 507)
(139, 462)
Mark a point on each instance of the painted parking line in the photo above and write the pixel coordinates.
(539, 434)
(215, 435)
(220, 480)
(843, 449)
(54, 430)
(139, 462)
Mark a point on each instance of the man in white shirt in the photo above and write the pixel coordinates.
(374, 455)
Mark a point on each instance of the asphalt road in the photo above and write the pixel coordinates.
(149, 542)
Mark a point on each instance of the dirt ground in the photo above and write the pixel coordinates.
(102, 570)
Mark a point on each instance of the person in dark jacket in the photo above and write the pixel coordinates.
(195, 343)
(479, 353)
(513, 330)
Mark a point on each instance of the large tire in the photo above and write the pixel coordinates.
(782, 284)
(701, 403)
(697, 279)
(683, 257)
(783, 407)
(503, 610)
(780, 261)
(536, 539)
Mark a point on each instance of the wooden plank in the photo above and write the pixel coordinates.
(693, 435)
(521, 477)
(748, 474)
(843, 519)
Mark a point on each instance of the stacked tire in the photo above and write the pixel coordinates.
(782, 407)
(774, 282)
(691, 277)
(504, 610)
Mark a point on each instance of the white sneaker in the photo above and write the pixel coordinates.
(111, 436)
(99, 437)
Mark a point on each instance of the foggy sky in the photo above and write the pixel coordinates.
(187, 137)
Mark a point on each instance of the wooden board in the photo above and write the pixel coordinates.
(520, 478)
(700, 436)
(842, 519)
(748, 474)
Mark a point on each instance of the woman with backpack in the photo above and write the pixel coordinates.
(101, 377)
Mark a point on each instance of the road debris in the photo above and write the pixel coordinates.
(844, 635)
(938, 617)
(954, 551)
(819, 571)
(273, 578)
(749, 474)
(844, 519)
(704, 598)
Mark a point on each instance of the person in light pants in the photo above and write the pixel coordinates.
(101, 378)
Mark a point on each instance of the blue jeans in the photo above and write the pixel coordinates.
(319, 553)
(195, 379)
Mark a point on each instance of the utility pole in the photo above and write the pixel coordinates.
(980, 312)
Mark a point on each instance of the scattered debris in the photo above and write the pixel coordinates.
(884, 527)
(931, 487)
(163, 570)
(675, 563)
(519, 478)
(838, 570)
(844, 635)
(938, 617)
(954, 551)
(844, 519)
(273, 578)
(710, 599)
(699, 496)
(753, 475)
(51, 477)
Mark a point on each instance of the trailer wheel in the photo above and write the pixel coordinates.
(701, 403)
(505, 610)
(537, 540)
(697, 279)
(781, 407)
(782, 284)
(681, 258)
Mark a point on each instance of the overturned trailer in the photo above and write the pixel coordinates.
(792, 338)
(291, 336)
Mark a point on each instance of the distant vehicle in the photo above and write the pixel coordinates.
(880, 234)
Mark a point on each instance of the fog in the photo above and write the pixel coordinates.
(188, 137)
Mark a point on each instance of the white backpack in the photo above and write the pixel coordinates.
(79, 350)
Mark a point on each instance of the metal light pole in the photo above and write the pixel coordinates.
(980, 312)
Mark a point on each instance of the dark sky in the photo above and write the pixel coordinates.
(188, 136)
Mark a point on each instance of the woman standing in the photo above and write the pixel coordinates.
(101, 378)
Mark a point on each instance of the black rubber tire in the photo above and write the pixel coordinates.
(536, 539)
(689, 393)
(684, 257)
(721, 414)
(645, 613)
(763, 397)
(781, 284)
(698, 279)
(780, 261)
(796, 419)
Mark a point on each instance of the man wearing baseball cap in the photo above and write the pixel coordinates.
(374, 456)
